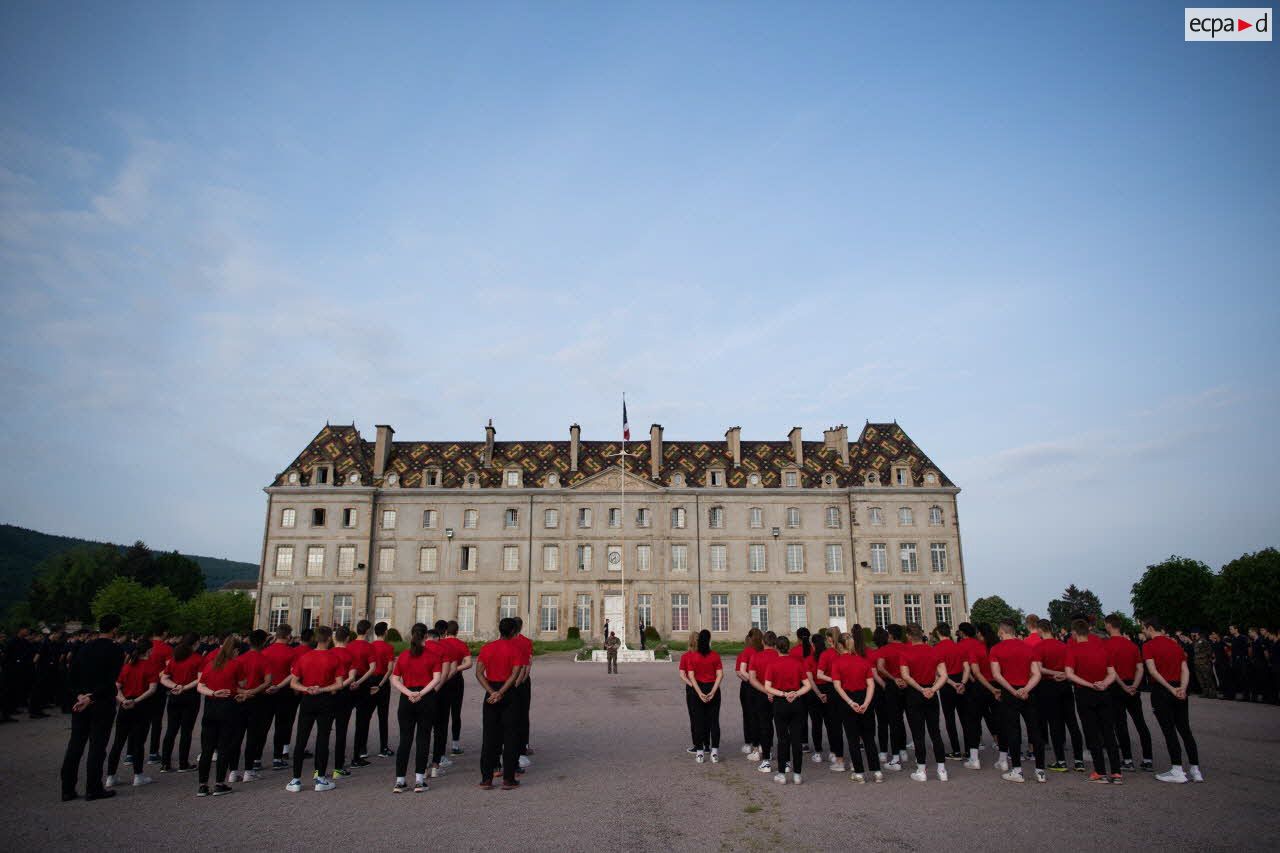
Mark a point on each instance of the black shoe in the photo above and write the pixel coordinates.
(220, 789)
(691, 750)
(165, 768)
(359, 762)
(257, 767)
(1058, 767)
(955, 756)
(386, 753)
(203, 791)
(186, 768)
(68, 796)
(1079, 766)
(308, 754)
(153, 758)
(1127, 765)
(804, 747)
(278, 764)
(99, 795)
(1147, 766)
(456, 751)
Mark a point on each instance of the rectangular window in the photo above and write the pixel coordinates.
(288, 518)
(942, 607)
(719, 611)
(513, 478)
(386, 560)
(715, 517)
(643, 517)
(382, 607)
(430, 518)
(716, 479)
(613, 558)
(550, 558)
(424, 609)
(677, 518)
(279, 611)
(388, 519)
(433, 479)
(322, 476)
(511, 519)
(679, 612)
(797, 611)
(907, 554)
(470, 519)
(644, 608)
(719, 558)
(584, 558)
(876, 515)
(882, 607)
(549, 614)
(833, 516)
(342, 609)
(346, 561)
(935, 516)
(582, 612)
(644, 558)
(900, 476)
(584, 517)
(315, 561)
(428, 559)
(284, 561)
(310, 616)
(938, 556)
(835, 559)
(615, 517)
(879, 558)
(317, 517)
(760, 612)
(755, 517)
(793, 517)
(511, 558)
(904, 516)
(469, 557)
(756, 558)
(508, 607)
(790, 479)
(466, 614)
(835, 605)
(551, 519)
(679, 558)
(349, 517)
(795, 558)
(911, 608)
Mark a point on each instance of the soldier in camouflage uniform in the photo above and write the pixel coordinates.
(1204, 665)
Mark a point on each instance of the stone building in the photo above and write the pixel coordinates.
(716, 534)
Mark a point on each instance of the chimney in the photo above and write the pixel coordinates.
(382, 450)
(733, 443)
(797, 447)
(837, 439)
(575, 433)
(489, 433)
(655, 450)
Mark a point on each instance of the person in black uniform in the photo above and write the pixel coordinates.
(1222, 666)
(93, 683)
(1239, 662)
(19, 667)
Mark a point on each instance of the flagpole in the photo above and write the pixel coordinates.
(622, 584)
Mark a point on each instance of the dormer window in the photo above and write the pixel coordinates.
(790, 479)
(354, 479)
(292, 478)
(322, 475)
(677, 479)
(513, 478)
(715, 477)
(431, 477)
(901, 476)
(873, 479)
(553, 479)
(393, 479)
(829, 480)
(931, 479)
(472, 481)
(753, 479)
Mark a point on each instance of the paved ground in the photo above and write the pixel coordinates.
(611, 773)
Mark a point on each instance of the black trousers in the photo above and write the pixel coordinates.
(313, 712)
(362, 709)
(952, 707)
(832, 716)
(218, 733)
(746, 698)
(455, 705)
(524, 701)
(92, 726)
(989, 712)
(183, 710)
(502, 728)
(1099, 728)
(813, 709)
(922, 714)
(131, 727)
(1057, 710)
(1171, 715)
(415, 720)
(974, 703)
(704, 717)
(343, 705)
(788, 721)
(257, 714)
(892, 709)
(155, 716)
(1014, 712)
(859, 729)
(285, 705)
(764, 723)
(1123, 705)
(440, 723)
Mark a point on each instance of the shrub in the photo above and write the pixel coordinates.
(584, 653)
(651, 633)
(572, 633)
(393, 636)
(662, 652)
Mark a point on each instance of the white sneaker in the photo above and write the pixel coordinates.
(918, 775)
(323, 784)
(837, 766)
(795, 779)
(972, 764)
(753, 755)
(445, 762)
(140, 779)
(700, 758)
(878, 776)
(1195, 774)
(746, 749)
(895, 765)
(942, 773)
(233, 776)
(765, 766)
(1041, 776)
(524, 762)
(1002, 764)
(250, 776)
(436, 772)
(884, 756)
(780, 778)
(858, 777)
(1173, 774)
(110, 783)
(817, 758)
(903, 757)
(294, 786)
(715, 758)
(1014, 775)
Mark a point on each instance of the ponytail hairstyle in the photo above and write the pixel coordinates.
(132, 652)
(819, 644)
(966, 629)
(185, 647)
(417, 637)
(859, 637)
(704, 642)
(229, 649)
(988, 635)
(755, 639)
(803, 635)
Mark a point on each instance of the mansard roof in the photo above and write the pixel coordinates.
(876, 449)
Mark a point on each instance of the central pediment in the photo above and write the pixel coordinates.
(610, 480)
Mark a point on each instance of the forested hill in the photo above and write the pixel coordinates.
(21, 550)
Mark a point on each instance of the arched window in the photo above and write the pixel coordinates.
(905, 516)
(833, 517)
(935, 516)
(793, 516)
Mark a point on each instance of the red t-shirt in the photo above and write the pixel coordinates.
(1089, 659)
(796, 651)
(524, 647)
(1033, 639)
(279, 659)
(952, 654)
(1015, 658)
(135, 678)
(703, 667)
(458, 650)
(383, 654)
(226, 678)
(317, 668)
(891, 654)
(825, 661)
(253, 669)
(417, 672)
(161, 653)
(744, 657)
(1168, 657)
(1052, 653)
(1126, 657)
(922, 660)
(346, 660)
(786, 673)
(852, 671)
(184, 671)
(761, 660)
(499, 658)
(361, 653)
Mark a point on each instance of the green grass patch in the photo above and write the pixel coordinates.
(751, 809)
(724, 647)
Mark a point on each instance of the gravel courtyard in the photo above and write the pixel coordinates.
(610, 772)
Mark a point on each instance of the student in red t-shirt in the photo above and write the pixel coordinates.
(317, 676)
(1054, 700)
(161, 652)
(951, 697)
(925, 673)
(383, 655)
(985, 694)
(362, 694)
(1126, 696)
(763, 702)
(456, 688)
(256, 707)
(787, 680)
(219, 679)
(180, 676)
(701, 672)
(746, 693)
(880, 639)
(854, 684)
(1015, 669)
(1167, 666)
(889, 664)
(497, 670)
(279, 655)
(135, 685)
(523, 693)
(976, 700)
(343, 699)
(1089, 666)
(451, 657)
(803, 649)
(826, 648)
(417, 675)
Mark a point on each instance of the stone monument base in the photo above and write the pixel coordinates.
(625, 656)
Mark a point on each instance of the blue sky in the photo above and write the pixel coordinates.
(1041, 237)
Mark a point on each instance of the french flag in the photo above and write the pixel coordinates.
(626, 427)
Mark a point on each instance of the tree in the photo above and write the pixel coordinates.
(182, 575)
(216, 612)
(992, 608)
(1246, 592)
(142, 609)
(1178, 591)
(1075, 603)
(65, 584)
(137, 564)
